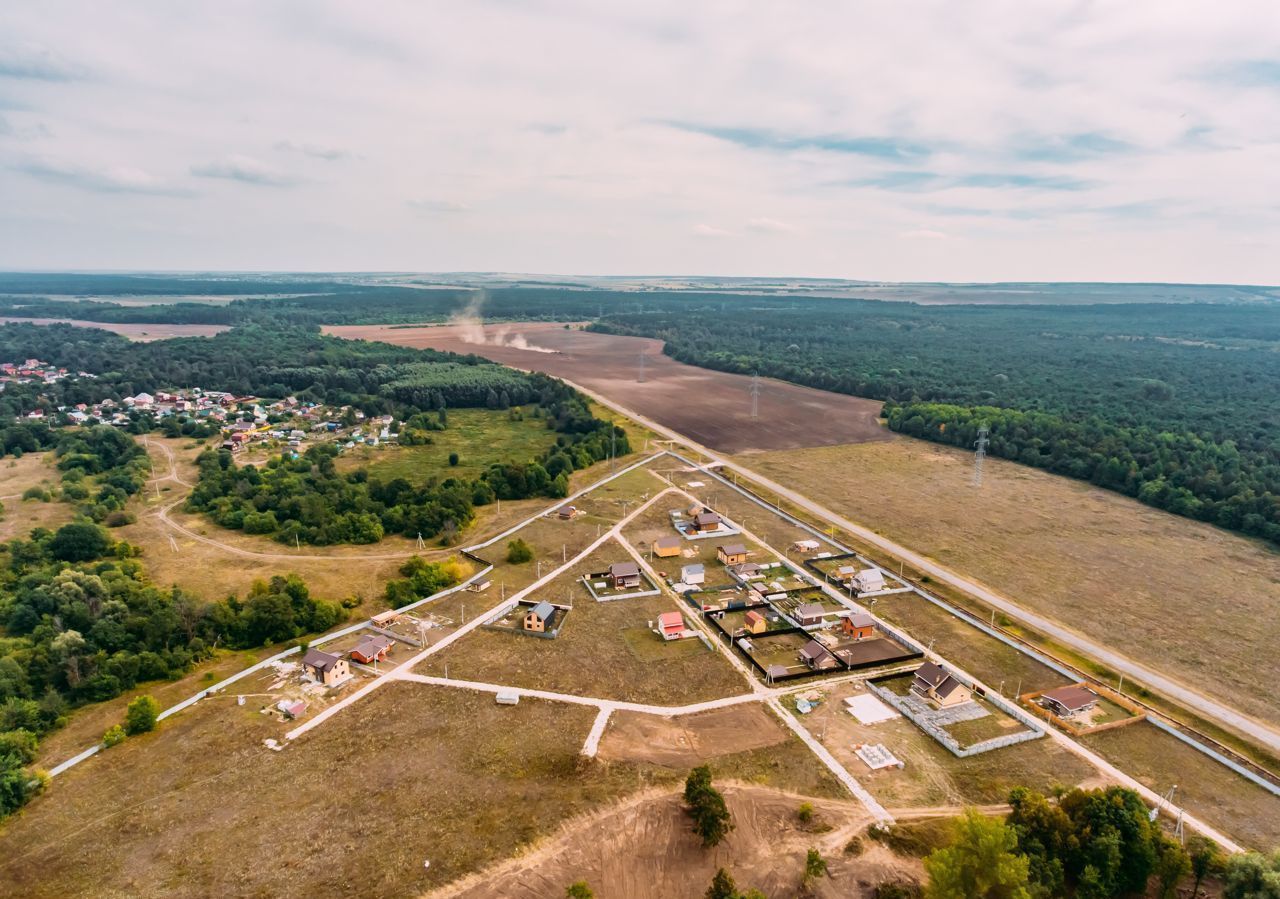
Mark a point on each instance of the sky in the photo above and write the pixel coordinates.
(922, 141)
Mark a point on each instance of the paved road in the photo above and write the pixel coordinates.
(1266, 734)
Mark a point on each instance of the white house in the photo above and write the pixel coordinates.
(869, 581)
(693, 574)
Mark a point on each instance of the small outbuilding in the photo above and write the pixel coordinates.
(624, 575)
(540, 618)
(666, 547)
(1069, 701)
(755, 623)
(705, 522)
(731, 553)
(385, 619)
(567, 513)
(858, 626)
(671, 625)
(809, 614)
(694, 575)
(325, 668)
(806, 546)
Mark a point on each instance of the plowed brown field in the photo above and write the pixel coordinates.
(711, 407)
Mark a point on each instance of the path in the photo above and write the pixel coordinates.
(1186, 696)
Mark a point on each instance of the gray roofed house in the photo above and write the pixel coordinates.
(809, 613)
(624, 574)
(694, 574)
(540, 618)
(817, 656)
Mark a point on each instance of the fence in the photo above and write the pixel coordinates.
(1034, 731)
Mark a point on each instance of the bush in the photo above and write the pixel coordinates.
(519, 552)
(453, 459)
(114, 736)
(140, 717)
(805, 812)
(80, 541)
(38, 493)
(119, 518)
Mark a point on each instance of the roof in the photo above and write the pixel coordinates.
(731, 549)
(624, 569)
(1072, 697)
(321, 661)
(777, 671)
(666, 542)
(543, 610)
(696, 568)
(813, 650)
(810, 610)
(754, 616)
(670, 619)
(948, 686)
(861, 619)
(371, 646)
(932, 674)
(706, 518)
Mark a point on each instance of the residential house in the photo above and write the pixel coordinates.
(809, 614)
(325, 668)
(755, 623)
(746, 571)
(567, 513)
(1069, 701)
(671, 625)
(705, 522)
(731, 553)
(869, 581)
(858, 626)
(372, 649)
(940, 686)
(818, 657)
(666, 547)
(624, 575)
(694, 575)
(540, 618)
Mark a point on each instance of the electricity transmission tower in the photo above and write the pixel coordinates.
(980, 455)
(755, 395)
(640, 379)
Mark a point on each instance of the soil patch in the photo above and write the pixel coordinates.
(690, 739)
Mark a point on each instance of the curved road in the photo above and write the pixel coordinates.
(1267, 735)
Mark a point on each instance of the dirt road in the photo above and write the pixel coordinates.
(713, 408)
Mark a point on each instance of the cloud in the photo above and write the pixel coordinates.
(111, 180)
(923, 234)
(770, 226)
(32, 62)
(704, 230)
(1023, 181)
(907, 181)
(765, 139)
(1069, 147)
(438, 207)
(315, 151)
(246, 170)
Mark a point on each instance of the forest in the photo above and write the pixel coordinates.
(1176, 405)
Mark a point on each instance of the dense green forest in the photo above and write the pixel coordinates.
(1178, 406)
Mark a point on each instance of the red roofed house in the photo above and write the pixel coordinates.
(755, 623)
(670, 625)
(371, 649)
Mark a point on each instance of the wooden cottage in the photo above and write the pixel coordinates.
(324, 668)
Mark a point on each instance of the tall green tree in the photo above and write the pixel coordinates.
(981, 862)
(705, 804)
(1252, 875)
(141, 715)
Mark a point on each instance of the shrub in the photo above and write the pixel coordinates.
(114, 736)
(453, 459)
(519, 552)
(141, 715)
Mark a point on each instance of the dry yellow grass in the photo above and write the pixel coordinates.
(1188, 599)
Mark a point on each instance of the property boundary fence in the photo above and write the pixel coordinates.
(1136, 712)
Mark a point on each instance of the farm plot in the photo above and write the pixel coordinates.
(598, 653)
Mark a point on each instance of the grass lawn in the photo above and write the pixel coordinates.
(1050, 544)
(480, 437)
(411, 773)
(1211, 791)
(597, 653)
(988, 727)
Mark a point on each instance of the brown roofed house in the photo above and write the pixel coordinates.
(810, 613)
(624, 575)
(1068, 701)
(731, 553)
(938, 685)
(706, 521)
(325, 668)
(818, 657)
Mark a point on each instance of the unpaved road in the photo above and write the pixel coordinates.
(713, 408)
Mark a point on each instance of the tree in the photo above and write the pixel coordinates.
(805, 812)
(140, 716)
(579, 890)
(1206, 858)
(1252, 876)
(1172, 864)
(453, 459)
(815, 866)
(980, 863)
(722, 886)
(80, 541)
(706, 805)
(519, 552)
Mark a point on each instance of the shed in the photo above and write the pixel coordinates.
(806, 546)
(776, 671)
(670, 625)
(755, 623)
(567, 513)
(292, 708)
(385, 619)
(666, 547)
(707, 521)
(810, 613)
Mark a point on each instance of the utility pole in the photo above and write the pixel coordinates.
(421, 543)
(755, 395)
(980, 455)
(640, 378)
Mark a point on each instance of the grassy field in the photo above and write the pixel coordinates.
(480, 437)
(1206, 789)
(598, 653)
(1050, 543)
(411, 773)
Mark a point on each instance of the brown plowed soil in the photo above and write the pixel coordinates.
(690, 739)
(644, 849)
(140, 331)
(713, 408)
